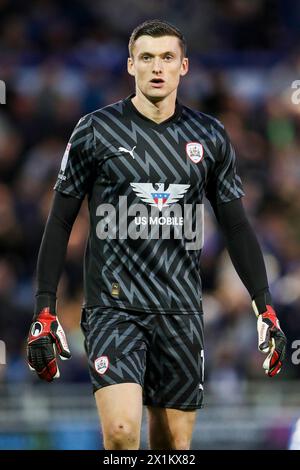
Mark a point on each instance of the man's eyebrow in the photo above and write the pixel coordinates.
(152, 55)
(145, 53)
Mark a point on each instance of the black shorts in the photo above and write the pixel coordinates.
(162, 353)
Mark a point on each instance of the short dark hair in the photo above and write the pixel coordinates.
(156, 29)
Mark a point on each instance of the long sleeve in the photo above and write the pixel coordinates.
(53, 248)
(244, 250)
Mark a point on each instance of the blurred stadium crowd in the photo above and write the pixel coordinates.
(63, 59)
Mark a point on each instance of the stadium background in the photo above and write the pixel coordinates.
(63, 59)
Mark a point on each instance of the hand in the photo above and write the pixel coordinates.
(271, 340)
(46, 336)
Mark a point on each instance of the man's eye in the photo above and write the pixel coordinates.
(146, 57)
(169, 57)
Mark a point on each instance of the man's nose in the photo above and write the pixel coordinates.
(157, 65)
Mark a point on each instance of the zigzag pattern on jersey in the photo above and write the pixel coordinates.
(109, 126)
(79, 169)
(152, 273)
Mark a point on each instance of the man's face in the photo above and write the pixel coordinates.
(157, 65)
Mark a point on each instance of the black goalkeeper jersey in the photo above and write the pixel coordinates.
(145, 184)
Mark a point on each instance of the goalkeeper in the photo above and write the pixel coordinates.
(142, 316)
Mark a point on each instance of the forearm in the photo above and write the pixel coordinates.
(53, 248)
(244, 250)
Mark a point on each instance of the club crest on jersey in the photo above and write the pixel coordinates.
(194, 151)
(157, 195)
(101, 364)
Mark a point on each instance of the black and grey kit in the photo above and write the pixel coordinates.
(117, 152)
(142, 314)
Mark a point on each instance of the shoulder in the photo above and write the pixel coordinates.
(201, 117)
(89, 123)
(102, 114)
(212, 127)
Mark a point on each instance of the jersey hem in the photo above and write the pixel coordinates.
(144, 309)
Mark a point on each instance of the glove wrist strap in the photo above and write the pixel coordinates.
(42, 301)
(260, 302)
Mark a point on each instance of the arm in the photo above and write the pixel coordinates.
(46, 331)
(74, 180)
(247, 258)
(224, 190)
(244, 250)
(53, 248)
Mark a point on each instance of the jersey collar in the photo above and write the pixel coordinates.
(148, 122)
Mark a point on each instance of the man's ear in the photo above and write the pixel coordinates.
(130, 67)
(184, 66)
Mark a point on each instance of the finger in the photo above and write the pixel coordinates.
(275, 358)
(274, 366)
(42, 358)
(272, 363)
(65, 358)
(267, 361)
(29, 360)
(280, 341)
(37, 357)
(61, 342)
(57, 373)
(275, 370)
(263, 331)
(50, 371)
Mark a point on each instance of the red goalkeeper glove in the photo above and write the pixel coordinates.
(46, 337)
(271, 339)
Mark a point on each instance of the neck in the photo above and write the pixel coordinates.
(158, 111)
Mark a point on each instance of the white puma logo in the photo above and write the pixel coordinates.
(122, 149)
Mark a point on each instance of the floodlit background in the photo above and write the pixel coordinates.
(62, 59)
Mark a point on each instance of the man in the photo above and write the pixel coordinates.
(145, 164)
